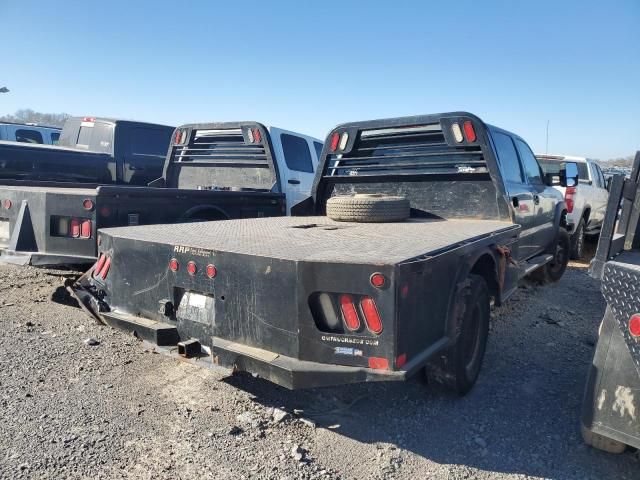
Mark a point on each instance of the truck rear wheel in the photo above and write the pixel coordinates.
(553, 270)
(459, 366)
(601, 442)
(364, 207)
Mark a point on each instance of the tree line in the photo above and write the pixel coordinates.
(26, 115)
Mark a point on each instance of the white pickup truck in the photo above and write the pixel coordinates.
(586, 203)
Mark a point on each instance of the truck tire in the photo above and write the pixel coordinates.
(459, 366)
(553, 271)
(601, 442)
(366, 207)
(577, 241)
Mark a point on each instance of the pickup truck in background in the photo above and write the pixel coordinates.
(212, 171)
(29, 133)
(414, 225)
(586, 203)
(90, 150)
(612, 394)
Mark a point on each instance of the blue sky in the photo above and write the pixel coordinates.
(308, 66)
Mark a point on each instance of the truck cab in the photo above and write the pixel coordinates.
(534, 204)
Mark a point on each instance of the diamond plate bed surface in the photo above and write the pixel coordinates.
(621, 290)
(317, 238)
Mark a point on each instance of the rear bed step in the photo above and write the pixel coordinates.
(160, 333)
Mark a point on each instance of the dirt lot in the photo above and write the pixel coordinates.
(116, 409)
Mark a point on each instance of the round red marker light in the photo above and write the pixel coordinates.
(87, 204)
(378, 280)
(174, 265)
(634, 325)
(7, 204)
(211, 271)
(192, 268)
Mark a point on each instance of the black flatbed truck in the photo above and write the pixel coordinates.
(212, 171)
(611, 407)
(308, 301)
(91, 150)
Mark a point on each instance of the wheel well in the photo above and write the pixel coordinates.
(563, 219)
(586, 213)
(485, 267)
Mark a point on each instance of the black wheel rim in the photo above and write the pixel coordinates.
(471, 342)
(560, 258)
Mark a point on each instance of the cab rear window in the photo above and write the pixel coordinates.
(24, 135)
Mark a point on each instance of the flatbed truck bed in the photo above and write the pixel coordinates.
(318, 238)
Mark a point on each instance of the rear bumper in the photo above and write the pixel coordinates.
(292, 373)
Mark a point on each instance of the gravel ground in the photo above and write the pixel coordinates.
(112, 408)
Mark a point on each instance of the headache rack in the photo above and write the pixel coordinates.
(405, 150)
(222, 147)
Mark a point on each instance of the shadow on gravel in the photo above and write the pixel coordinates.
(62, 296)
(522, 417)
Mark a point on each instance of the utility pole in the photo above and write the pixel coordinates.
(546, 148)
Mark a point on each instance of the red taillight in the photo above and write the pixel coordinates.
(174, 265)
(569, 195)
(378, 363)
(257, 136)
(469, 131)
(378, 280)
(99, 264)
(6, 203)
(74, 228)
(87, 204)
(178, 136)
(371, 315)
(335, 138)
(105, 268)
(634, 325)
(211, 271)
(401, 360)
(85, 229)
(192, 268)
(349, 313)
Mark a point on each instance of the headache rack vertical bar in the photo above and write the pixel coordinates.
(614, 240)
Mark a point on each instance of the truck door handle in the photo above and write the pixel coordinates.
(536, 199)
(293, 181)
(133, 167)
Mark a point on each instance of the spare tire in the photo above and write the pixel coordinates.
(368, 207)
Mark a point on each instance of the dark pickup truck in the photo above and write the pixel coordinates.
(212, 171)
(92, 151)
(414, 225)
(611, 407)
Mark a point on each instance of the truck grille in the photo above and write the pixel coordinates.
(221, 147)
(406, 150)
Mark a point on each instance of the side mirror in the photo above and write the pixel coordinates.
(551, 179)
(608, 183)
(569, 174)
